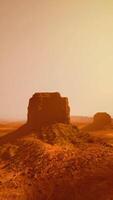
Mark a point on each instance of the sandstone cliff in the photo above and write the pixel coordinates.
(46, 109)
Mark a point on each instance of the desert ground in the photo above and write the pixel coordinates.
(105, 134)
(75, 165)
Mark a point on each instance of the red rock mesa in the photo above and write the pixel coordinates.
(46, 109)
(102, 119)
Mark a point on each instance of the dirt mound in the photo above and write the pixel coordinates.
(59, 134)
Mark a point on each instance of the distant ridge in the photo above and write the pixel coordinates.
(81, 119)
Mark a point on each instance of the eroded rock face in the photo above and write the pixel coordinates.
(46, 109)
(102, 119)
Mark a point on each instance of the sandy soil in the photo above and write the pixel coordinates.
(7, 127)
(31, 169)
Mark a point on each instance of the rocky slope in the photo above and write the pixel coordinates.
(62, 164)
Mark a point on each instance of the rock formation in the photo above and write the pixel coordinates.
(46, 109)
(102, 119)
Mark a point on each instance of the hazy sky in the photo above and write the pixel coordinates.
(56, 45)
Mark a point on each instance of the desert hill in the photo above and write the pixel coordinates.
(32, 168)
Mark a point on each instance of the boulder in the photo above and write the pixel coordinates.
(46, 109)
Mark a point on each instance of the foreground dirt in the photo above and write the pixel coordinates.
(31, 169)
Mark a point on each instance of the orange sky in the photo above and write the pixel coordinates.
(56, 45)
